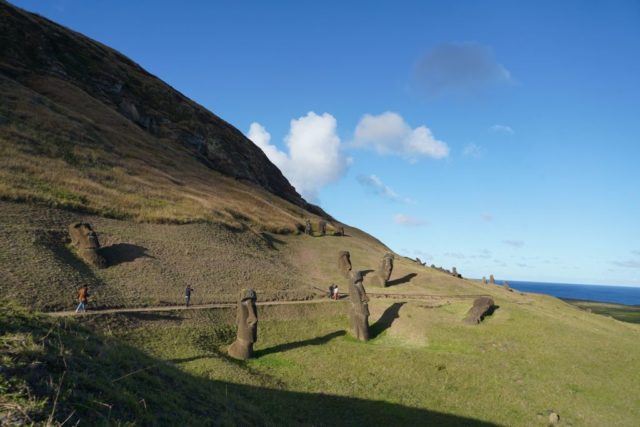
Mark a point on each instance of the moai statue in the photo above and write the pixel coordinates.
(247, 318)
(454, 271)
(344, 263)
(383, 274)
(322, 226)
(307, 227)
(484, 280)
(359, 307)
(492, 281)
(85, 240)
(339, 231)
(482, 307)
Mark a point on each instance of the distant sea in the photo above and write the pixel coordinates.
(616, 294)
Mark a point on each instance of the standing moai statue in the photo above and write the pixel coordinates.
(344, 263)
(322, 226)
(385, 269)
(85, 240)
(307, 227)
(247, 318)
(454, 271)
(492, 280)
(359, 307)
(484, 280)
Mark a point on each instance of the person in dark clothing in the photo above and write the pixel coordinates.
(331, 290)
(187, 295)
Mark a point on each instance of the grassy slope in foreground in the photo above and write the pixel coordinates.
(54, 372)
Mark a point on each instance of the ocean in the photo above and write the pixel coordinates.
(616, 294)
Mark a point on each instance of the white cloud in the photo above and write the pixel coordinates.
(388, 133)
(472, 150)
(503, 129)
(514, 243)
(407, 220)
(378, 187)
(460, 68)
(314, 159)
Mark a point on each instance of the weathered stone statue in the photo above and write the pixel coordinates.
(384, 270)
(307, 227)
(322, 226)
(482, 307)
(339, 231)
(247, 318)
(85, 240)
(359, 307)
(484, 280)
(492, 281)
(454, 271)
(344, 263)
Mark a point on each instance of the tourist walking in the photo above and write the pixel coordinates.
(187, 295)
(336, 295)
(83, 297)
(331, 290)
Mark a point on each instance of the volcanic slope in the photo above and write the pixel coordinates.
(178, 196)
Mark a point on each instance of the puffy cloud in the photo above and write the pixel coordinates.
(407, 220)
(314, 157)
(376, 185)
(459, 68)
(388, 133)
(472, 150)
(504, 129)
(514, 243)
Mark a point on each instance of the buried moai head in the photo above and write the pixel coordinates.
(483, 306)
(322, 226)
(307, 227)
(359, 306)
(339, 231)
(85, 240)
(344, 263)
(247, 319)
(83, 236)
(385, 269)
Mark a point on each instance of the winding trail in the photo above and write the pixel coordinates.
(424, 297)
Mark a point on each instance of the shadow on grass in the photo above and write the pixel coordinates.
(272, 240)
(123, 252)
(145, 390)
(365, 272)
(297, 344)
(404, 279)
(386, 320)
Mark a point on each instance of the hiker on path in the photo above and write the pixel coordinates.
(336, 295)
(83, 296)
(331, 290)
(187, 294)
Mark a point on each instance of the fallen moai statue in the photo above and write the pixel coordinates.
(247, 318)
(85, 240)
(483, 306)
(344, 263)
(359, 307)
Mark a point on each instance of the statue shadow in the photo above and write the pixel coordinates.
(297, 344)
(404, 279)
(386, 320)
(272, 240)
(365, 272)
(123, 252)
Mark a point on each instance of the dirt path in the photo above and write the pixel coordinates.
(262, 303)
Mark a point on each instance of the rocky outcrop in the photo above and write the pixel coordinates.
(32, 48)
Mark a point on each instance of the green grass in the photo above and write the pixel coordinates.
(626, 313)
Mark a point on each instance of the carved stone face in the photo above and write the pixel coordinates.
(344, 263)
(83, 236)
(386, 267)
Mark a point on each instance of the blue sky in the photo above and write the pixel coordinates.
(495, 136)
